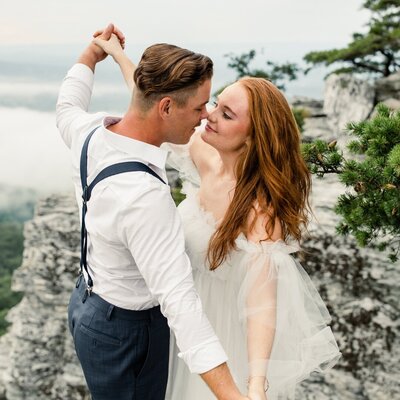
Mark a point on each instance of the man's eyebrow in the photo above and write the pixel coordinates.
(203, 104)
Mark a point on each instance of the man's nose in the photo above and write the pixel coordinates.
(204, 113)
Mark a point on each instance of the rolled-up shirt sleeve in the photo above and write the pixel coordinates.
(151, 228)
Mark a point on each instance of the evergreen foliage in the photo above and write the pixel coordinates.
(8, 299)
(299, 115)
(276, 73)
(370, 208)
(177, 195)
(11, 248)
(375, 52)
(322, 157)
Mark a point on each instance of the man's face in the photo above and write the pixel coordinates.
(188, 117)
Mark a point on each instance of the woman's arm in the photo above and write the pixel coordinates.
(261, 310)
(201, 152)
(261, 323)
(114, 48)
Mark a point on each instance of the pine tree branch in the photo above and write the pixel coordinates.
(388, 63)
(367, 66)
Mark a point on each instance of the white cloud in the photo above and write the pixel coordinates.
(32, 153)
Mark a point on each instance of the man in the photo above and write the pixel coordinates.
(137, 270)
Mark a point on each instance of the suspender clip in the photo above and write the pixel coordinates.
(89, 290)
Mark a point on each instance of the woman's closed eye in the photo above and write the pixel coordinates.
(224, 114)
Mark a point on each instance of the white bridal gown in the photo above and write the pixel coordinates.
(260, 284)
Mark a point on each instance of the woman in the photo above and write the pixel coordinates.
(247, 190)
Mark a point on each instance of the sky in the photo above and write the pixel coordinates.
(182, 21)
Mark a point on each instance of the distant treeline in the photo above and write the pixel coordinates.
(11, 248)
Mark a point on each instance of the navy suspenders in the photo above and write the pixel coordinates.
(130, 166)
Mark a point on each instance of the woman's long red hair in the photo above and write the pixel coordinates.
(271, 173)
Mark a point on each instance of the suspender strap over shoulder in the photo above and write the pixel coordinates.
(130, 166)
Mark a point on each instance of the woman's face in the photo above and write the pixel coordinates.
(228, 124)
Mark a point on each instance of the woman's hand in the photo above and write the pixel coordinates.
(257, 388)
(112, 46)
(257, 395)
(116, 31)
(93, 53)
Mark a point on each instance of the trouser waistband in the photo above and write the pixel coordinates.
(117, 312)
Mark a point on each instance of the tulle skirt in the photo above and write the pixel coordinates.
(302, 343)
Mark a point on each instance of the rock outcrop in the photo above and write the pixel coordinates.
(41, 362)
(360, 287)
(388, 88)
(347, 99)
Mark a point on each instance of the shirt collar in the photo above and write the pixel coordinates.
(147, 152)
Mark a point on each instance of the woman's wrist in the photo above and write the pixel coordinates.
(118, 55)
(258, 382)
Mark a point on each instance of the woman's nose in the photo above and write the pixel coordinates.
(211, 115)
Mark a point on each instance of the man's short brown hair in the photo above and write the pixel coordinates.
(165, 69)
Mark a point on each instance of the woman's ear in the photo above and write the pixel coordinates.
(165, 107)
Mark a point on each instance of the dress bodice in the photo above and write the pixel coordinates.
(200, 224)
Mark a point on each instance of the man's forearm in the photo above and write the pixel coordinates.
(221, 383)
(89, 58)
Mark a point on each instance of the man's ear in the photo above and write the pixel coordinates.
(165, 107)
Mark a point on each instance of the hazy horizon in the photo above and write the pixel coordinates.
(41, 41)
(32, 154)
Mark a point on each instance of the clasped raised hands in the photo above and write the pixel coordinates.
(102, 36)
(113, 46)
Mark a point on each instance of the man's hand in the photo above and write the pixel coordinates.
(93, 53)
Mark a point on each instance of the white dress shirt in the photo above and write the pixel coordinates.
(136, 251)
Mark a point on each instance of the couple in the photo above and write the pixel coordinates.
(251, 321)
